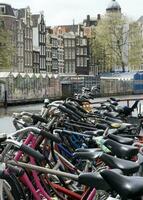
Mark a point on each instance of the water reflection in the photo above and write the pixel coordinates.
(12, 109)
(6, 115)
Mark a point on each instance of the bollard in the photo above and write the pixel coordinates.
(5, 99)
(128, 103)
(140, 109)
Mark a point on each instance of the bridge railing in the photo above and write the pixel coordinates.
(127, 102)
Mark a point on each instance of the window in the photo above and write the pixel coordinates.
(19, 36)
(73, 43)
(83, 41)
(25, 58)
(26, 32)
(40, 50)
(81, 51)
(55, 65)
(34, 57)
(66, 63)
(78, 61)
(73, 53)
(44, 27)
(65, 42)
(37, 57)
(69, 53)
(85, 62)
(30, 33)
(54, 53)
(81, 61)
(69, 67)
(66, 54)
(43, 38)
(69, 42)
(85, 51)
(77, 41)
(40, 38)
(22, 50)
(2, 9)
(77, 50)
(31, 45)
(30, 59)
(73, 67)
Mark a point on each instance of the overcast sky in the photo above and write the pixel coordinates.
(61, 12)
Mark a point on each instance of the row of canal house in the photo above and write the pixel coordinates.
(41, 49)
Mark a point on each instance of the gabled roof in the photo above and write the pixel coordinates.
(35, 19)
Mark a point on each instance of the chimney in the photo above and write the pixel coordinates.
(88, 17)
(98, 17)
(88, 20)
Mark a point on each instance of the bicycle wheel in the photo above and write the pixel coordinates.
(10, 188)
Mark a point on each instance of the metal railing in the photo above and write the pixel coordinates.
(127, 102)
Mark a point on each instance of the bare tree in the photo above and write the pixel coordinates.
(115, 42)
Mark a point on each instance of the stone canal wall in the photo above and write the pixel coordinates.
(21, 87)
(29, 87)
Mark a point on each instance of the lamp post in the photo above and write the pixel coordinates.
(5, 94)
(77, 83)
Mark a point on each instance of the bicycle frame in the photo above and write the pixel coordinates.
(58, 173)
(31, 140)
(25, 179)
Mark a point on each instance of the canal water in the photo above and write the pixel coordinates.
(6, 125)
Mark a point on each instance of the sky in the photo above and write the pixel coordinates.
(62, 12)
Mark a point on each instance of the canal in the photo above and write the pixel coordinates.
(6, 125)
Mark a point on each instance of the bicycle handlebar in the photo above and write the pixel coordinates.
(32, 152)
(69, 112)
(36, 131)
(50, 136)
(74, 109)
(26, 149)
(34, 116)
(38, 118)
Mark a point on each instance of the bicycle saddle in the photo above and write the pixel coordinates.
(128, 167)
(125, 186)
(94, 179)
(87, 155)
(121, 150)
(122, 140)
